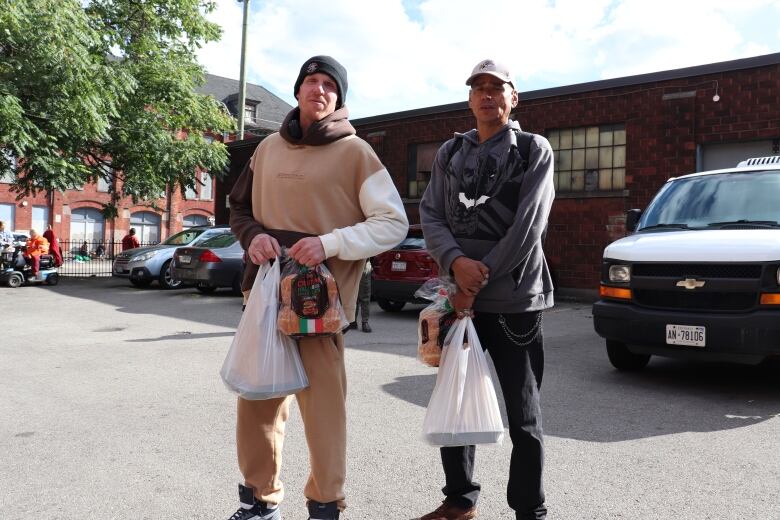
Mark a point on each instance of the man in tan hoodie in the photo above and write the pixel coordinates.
(318, 189)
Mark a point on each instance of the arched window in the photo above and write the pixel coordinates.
(147, 226)
(194, 220)
(86, 224)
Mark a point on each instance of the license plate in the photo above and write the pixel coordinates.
(185, 259)
(398, 266)
(690, 335)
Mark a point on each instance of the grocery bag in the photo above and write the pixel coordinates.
(309, 302)
(263, 363)
(434, 321)
(463, 409)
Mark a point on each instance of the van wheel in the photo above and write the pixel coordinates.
(390, 305)
(623, 359)
(206, 288)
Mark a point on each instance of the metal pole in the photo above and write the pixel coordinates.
(242, 80)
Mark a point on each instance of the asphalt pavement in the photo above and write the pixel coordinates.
(111, 407)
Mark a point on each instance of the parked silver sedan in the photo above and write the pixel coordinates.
(213, 263)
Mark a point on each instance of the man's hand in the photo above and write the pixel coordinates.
(470, 275)
(461, 301)
(308, 251)
(263, 248)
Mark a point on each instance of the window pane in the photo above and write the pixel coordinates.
(591, 180)
(606, 137)
(578, 180)
(619, 157)
(605, 157)
(556, 160)
(205, 188)
(605, 179)
(619, 179)
(564, 180)
(578, 160)
(592, 136)
(620, 136)
(579, 138)
(412, 193)
(565, 139)
(592, 158)
(554, 138)
(556, 180)
(565, 160)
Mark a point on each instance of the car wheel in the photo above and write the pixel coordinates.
(623, 359)
(53, 279)
(15, 280)
(390, 305)
(140, 283)
(205, 288)
(167, 281)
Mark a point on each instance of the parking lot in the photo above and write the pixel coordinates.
(112, 407)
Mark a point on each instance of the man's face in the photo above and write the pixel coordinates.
(491, 100)
(317, 96)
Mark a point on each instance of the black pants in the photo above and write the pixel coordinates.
(519, 370)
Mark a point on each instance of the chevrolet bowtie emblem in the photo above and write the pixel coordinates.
(690, 283)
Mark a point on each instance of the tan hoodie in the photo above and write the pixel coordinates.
(328, 183)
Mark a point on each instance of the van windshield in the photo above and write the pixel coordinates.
(736, 200)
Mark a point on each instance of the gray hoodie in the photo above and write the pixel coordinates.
(488, 204)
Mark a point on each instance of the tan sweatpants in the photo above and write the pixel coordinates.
(261, 426)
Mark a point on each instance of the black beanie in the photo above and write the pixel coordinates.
(325, 65)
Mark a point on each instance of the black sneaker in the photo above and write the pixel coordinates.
(320, 511)
(252, 509)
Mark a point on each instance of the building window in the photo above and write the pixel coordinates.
(106, 178)
(420, 163)
(250, 113)
(147, 226)
(207, 187)
(591, 158)
(194, 220)
(7, 215)
(8, 161)
(190, 193)
(40, 218)
(86, 224)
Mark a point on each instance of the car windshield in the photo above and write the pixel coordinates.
(221, 240)
(184, 237)
(411, 243)
(746, 199)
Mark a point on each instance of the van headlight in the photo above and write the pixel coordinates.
(619, 273)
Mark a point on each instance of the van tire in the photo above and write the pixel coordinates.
(623, 359)
(390, 305)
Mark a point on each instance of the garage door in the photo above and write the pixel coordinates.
(727, 155)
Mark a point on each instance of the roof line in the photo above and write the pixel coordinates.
(578, 88)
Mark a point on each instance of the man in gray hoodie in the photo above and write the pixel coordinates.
(484, 215)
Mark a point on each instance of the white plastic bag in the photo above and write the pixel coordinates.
(263, 363)
(463, 409)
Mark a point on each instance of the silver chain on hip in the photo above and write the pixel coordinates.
(521, 340)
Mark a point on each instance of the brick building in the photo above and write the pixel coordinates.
(616, 142)
(75, 214)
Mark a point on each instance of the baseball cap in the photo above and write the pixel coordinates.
(493, 68)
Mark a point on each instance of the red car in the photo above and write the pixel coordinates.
(398, 273)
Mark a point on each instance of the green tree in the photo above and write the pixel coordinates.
(106, 88)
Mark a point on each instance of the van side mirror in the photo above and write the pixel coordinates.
(632, 219)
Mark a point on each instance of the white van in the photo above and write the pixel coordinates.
(700, 276)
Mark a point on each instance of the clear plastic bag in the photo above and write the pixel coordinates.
(263, 363)
(463, 409)
(309, 303)
(434, 321)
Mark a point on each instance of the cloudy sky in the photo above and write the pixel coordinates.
(407, 54)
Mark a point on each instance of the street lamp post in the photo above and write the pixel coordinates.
(242, 80)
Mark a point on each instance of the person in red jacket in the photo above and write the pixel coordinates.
(36, 246)
(130, 241)
(54, 246)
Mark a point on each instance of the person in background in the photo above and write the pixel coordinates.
(483, 217)
(6, 237)
(129, 241)
(364, 299)
(54, 245)
(37, 245)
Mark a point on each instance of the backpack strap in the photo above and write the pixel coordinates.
(524, 140)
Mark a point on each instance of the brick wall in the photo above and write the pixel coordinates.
(665, 122)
